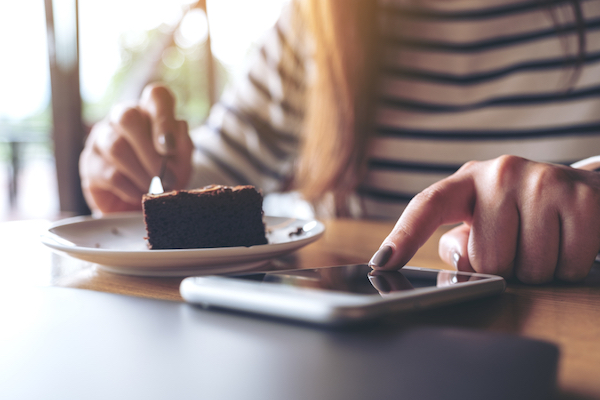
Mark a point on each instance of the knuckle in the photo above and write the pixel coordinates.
(468, 166)
(546, 178)
(588, 196)
(433, 196)
(112, 177)
(99, 131)
(509, 162)
(128, 117)
(119, 148)
(504, 169)
(498, 175)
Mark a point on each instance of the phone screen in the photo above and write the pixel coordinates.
(361, 279)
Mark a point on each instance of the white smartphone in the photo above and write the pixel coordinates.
(338, 295)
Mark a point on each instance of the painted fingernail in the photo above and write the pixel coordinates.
(167, 140)
(381, 257)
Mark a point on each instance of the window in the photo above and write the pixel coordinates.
(118, 53)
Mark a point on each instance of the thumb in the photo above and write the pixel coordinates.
(453, 248)
(159, 103)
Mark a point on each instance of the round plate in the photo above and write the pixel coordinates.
(117, 243)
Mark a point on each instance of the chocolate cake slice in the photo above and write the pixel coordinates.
(215, 216)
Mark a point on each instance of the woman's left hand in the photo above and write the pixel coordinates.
(524, 219)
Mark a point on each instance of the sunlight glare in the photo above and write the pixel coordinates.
(24, 75)
(193, 29)
(237, 25)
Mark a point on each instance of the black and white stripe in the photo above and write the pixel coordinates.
(465, 80)
(460, 80)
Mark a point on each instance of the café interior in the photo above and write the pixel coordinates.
(77, 327)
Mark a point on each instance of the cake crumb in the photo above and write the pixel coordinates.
(299, 231)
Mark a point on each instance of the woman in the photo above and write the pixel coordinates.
(361, 105)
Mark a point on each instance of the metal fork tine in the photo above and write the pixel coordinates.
(156, 186)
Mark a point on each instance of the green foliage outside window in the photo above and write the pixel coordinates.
(156, 57)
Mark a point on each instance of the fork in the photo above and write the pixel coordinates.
(156, 186)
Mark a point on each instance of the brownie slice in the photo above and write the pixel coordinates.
(215, 216)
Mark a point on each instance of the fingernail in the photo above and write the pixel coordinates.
(169, 180)
(455, 259)
(167, 141)
(381, 257)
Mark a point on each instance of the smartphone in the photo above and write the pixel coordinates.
(340, 294)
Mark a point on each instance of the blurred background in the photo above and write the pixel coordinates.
(65, 62)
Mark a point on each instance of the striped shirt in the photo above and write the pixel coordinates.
(460, 80)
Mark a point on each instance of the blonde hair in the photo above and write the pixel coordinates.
(340, 103)
(340, 99)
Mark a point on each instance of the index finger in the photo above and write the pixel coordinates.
(159, 103)
(448, 201)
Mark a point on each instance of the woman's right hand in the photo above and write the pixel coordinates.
(124, 151)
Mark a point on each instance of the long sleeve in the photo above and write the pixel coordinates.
(252, 133)
(459, 81)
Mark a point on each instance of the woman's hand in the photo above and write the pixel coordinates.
(124, 151)
(523, 219)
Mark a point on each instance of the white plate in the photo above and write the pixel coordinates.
(117, 243)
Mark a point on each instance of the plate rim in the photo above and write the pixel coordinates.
(53, 240)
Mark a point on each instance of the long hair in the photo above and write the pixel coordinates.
(339, 114)
(340, 98)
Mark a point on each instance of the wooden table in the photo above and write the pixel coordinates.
(567, 315)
